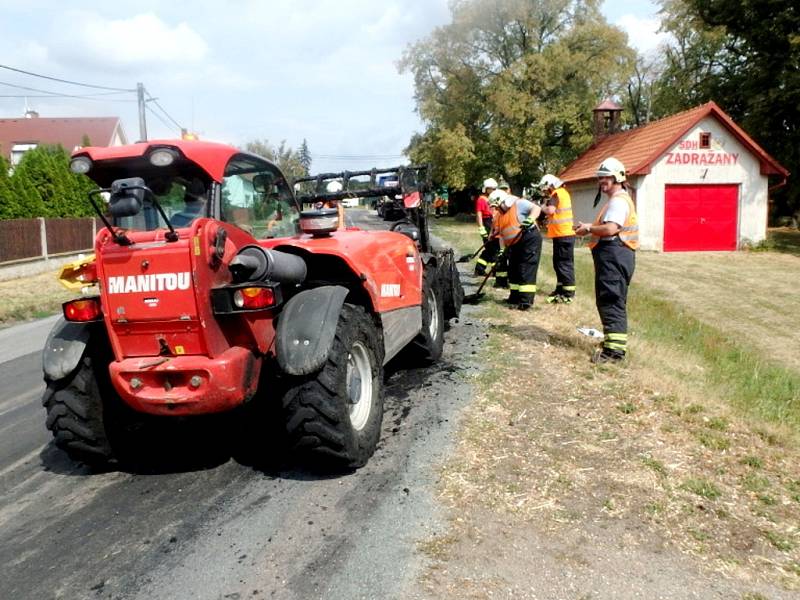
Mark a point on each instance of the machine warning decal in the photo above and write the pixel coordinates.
(390, 290)
(151, 302)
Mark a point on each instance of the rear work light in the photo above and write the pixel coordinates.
(83, 310)
(253, 298)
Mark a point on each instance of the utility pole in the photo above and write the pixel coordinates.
(142, 121)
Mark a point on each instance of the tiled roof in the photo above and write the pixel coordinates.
(639, 148)
(68, 132)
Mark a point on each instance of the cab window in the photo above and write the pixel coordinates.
(183, 200)
(257, 199)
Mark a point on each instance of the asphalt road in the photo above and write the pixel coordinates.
(223, 529)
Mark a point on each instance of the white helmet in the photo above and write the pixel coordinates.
(550, 181)
(611, 167)
(496, 197)
(503, 185)
(489, 183)
(334, 186)
(507, 202)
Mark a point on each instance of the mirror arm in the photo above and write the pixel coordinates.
(171, 235)
(119, 238)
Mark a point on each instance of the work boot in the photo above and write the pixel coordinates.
(524, 306)
(479, 271)
(513, 298)
(554, 297)
(604, 355)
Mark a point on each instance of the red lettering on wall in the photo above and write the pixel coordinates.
(702, 158)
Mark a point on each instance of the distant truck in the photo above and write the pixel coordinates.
(390, 207)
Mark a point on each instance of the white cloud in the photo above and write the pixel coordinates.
(642, 32)
(139, 41)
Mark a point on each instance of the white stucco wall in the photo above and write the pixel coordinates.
(739, 167)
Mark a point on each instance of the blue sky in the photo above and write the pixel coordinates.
(323, 70)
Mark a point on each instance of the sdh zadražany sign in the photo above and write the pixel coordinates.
(691, 154)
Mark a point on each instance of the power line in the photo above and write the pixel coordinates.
(154, 101)
(89, 85)
(57, 94)
(64, 96)
(160, 118)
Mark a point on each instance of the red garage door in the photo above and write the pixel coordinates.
(700, 217)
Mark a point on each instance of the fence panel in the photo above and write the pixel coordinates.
(68, 235)
(20, 238)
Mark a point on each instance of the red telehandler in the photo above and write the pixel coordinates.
(208, 276)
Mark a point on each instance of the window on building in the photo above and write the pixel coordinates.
(17, 150)
(705, 139)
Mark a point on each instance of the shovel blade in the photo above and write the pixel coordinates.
(473, 298)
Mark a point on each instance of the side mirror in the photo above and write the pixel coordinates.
(127, 197)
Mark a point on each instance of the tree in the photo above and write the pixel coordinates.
(287, 159)
(745, 56)
(305, 157)
(43, 186)
(508, 87)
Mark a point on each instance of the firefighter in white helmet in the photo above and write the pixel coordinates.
(483, 217)
(519, 235)
(558, 208)
(614, 241)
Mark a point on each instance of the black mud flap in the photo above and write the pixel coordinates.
(306, 328)
(64, 348)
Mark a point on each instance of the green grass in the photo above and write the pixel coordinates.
(748, 381)
(783, 240)
(780, 542)
(655, 465)
(702, 488)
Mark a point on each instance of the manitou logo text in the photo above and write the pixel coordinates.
(156, 282)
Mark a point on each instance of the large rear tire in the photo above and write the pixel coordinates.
(76, 415)
(428, 345)
(336, 413)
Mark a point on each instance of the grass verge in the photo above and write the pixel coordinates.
(693, 440)
(31, 298)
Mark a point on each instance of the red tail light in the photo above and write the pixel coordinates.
(253, 298)
(85, 309)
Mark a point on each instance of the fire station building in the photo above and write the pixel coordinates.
(700, 182)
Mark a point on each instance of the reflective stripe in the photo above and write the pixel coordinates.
(513, 286)
(501, 273)
(614, 346)
(617, 336)
(568, 288)
(527, 288)
(480, 261)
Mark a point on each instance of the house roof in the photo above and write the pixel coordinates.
(639, 148)
(67, 131)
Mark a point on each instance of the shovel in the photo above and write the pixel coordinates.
(476, 297)
(468, 257)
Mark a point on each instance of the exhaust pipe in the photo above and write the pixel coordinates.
(254, 263)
